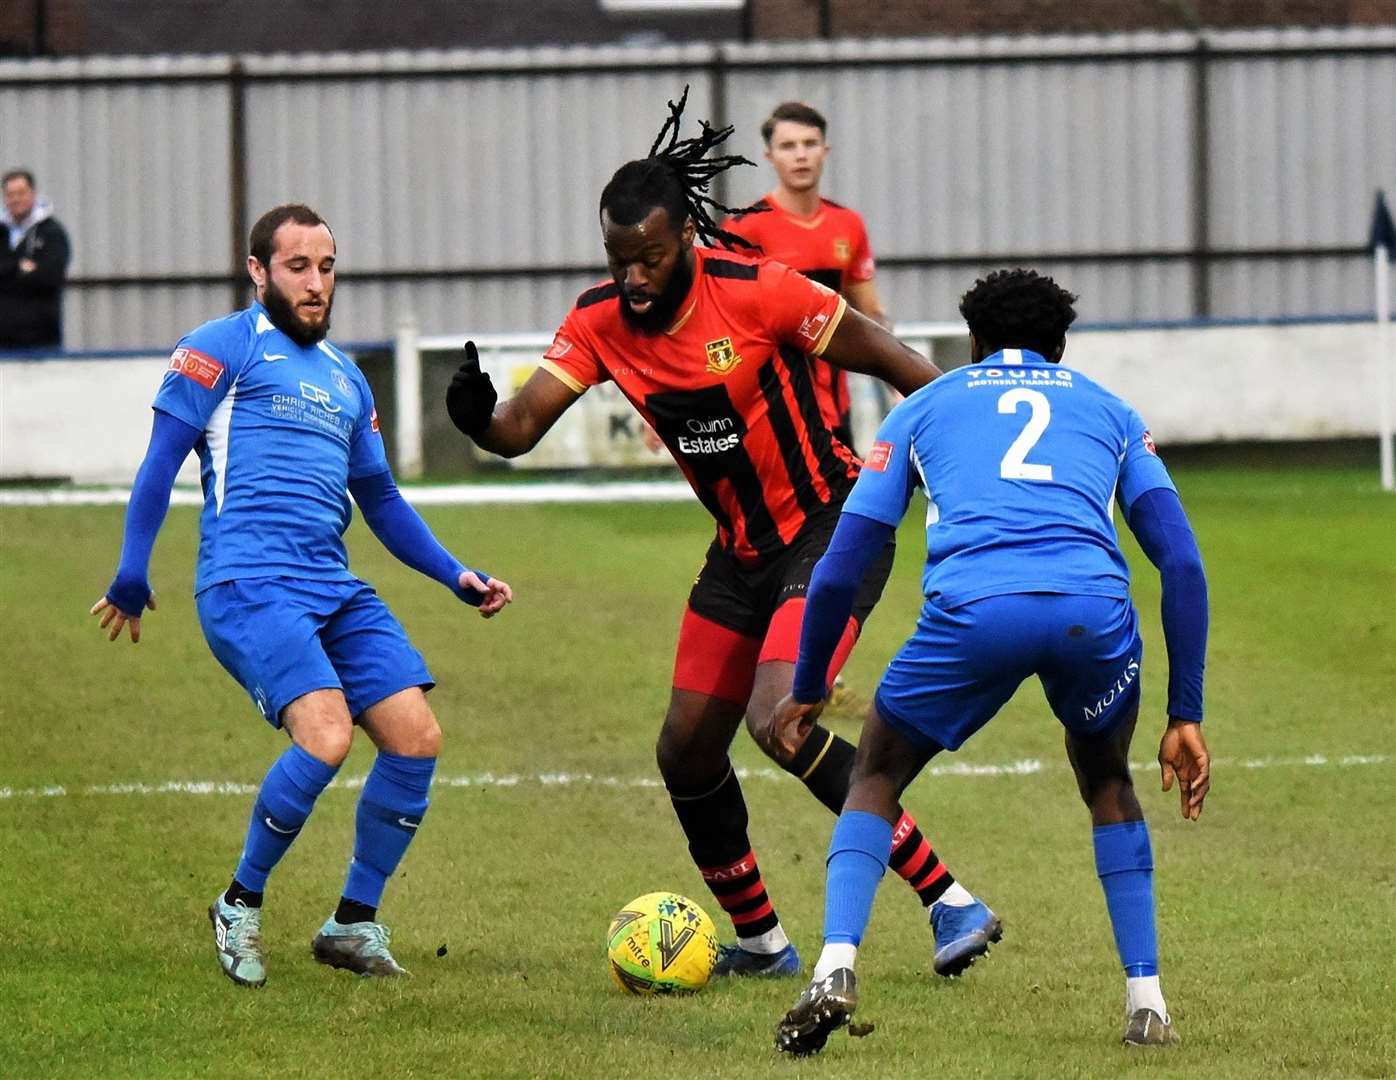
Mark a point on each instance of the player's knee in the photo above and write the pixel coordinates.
(415, 735)
(1109, 793)
(763, 734)
(428, 738)
(328, 741)
(682, 754)
(669, 753)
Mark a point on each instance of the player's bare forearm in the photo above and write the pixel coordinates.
(518, 423)
(859, 344)
(509, 434)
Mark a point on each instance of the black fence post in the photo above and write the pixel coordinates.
(1201, 181)
(40, 46)
(718, 71)
(237, 180)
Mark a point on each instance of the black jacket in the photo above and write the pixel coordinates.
(31, 304)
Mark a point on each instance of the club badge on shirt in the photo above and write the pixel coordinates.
(722, 358)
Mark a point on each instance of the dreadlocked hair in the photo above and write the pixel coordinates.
(1018, 309)
(675, 176)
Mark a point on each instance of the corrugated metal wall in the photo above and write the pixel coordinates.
(463, 185)
(1007, 156)
(1299, 145)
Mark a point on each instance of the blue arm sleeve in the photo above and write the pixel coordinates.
(403, 532)
(832, 589)
(171, 439)
(1161, 527)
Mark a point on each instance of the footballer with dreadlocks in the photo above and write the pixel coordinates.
(711, 347)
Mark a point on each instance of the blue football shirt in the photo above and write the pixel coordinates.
(285, 427)
(1020, 460)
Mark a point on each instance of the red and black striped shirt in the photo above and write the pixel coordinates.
(728, 389)
(830, 246)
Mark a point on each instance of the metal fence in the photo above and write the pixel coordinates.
(1161, 176)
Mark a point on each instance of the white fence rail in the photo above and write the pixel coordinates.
(602, 429)
(86, 420)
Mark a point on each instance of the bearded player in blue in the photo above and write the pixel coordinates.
(1021, 461)
(283, 423)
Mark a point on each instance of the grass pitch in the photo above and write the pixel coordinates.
(1277, 911)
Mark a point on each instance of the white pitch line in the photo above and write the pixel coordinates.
(1026, 767)
(649, 491)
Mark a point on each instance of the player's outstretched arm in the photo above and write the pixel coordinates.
(859, 344)
(130, 593)
(1159, 523)
(511, 428)
(402, 531)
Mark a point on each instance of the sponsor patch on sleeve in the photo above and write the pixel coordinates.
(878, 457)
(812, 327)
(559, 348)
(200, 367)
(373, 420)
(1149, 444)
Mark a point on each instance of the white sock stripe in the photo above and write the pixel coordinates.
(1026, 767)
(835, 955)
(772, 941)
(1145, 992)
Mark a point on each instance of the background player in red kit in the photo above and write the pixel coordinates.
(814, 235)
(712, 348)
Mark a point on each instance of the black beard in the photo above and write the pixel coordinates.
(284, 318)
(661, 314)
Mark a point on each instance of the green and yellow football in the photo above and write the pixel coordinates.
(661, 943)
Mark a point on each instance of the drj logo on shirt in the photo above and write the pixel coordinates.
(319, 395)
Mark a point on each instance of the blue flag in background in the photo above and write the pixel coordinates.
(1383, 232)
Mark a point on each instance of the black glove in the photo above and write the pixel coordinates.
(471, 396)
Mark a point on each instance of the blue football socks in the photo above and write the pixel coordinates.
(858, 856)
(1124, 861)
(287, 795)
(390, 809)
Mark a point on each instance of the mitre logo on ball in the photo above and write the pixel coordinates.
(661, 943)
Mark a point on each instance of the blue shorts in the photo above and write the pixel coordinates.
(284, 637)
(962, 664)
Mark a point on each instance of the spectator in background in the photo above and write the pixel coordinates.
(33, 263)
